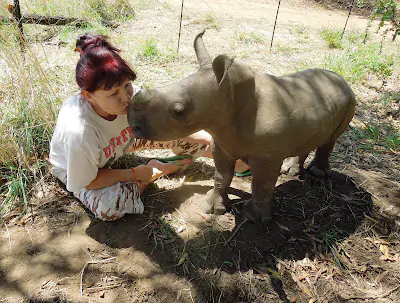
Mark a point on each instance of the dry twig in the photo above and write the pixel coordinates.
(235, 232)
(84, 267)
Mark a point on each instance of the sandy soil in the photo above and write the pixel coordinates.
(333, 240)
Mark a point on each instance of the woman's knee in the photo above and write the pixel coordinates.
(113, 202)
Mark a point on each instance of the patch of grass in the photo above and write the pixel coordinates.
(329, 242)
(353, 37)
(283, 48)
(211, 21)
(356, 62)
(390, 97)
(304, 64)
(9, 35)
(92, 11)
(151, 51)
(375, 136)
(300, 31)
(119, 10)
(31, 92)
(251, 37)
(166, 6)
(332, 37)
(145, 4)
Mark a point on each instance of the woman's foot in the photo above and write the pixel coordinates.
(161, 168)
(241, 167)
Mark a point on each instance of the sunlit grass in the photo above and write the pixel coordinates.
(357, 61)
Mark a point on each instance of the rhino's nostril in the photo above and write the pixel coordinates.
(135, 127)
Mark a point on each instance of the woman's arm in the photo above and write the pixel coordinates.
(107, 177)
(142, 174)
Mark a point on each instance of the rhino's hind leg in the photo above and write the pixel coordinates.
(293, 166)
(319, 166)
(265, 173)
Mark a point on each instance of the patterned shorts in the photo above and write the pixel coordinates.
(113, 202)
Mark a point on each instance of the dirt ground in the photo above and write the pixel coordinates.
(331, 240)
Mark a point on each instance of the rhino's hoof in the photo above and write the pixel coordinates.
(292, 167)
(208, 209)
(318, 171)
(295, 171)
(214, 209)
(219, 209)
(214, 204)
(254, 213)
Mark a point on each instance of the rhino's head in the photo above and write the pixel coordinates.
(160, 114)
(179, 109)
(201, 101)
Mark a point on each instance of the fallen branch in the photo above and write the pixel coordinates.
(56, 20)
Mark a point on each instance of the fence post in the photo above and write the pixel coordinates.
(180, 28)
(348, 16)
(16, 11)
(273, 32)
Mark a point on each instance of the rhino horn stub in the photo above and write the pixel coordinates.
(201, 52)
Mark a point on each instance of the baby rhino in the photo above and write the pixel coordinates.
(259, 118)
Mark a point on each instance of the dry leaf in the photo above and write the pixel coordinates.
(379, 277)
(384, 249)
(302, 286)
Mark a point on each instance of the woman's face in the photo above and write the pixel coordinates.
(110, 103)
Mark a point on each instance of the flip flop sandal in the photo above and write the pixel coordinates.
(244, 174)
(173, 159)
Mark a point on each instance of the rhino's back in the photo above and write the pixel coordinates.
(299, 111)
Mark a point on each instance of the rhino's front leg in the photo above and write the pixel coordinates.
(217, 200)
(265, 172)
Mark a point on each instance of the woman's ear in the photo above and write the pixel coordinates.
(88, 96)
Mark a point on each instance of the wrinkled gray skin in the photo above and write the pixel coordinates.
(259, 118)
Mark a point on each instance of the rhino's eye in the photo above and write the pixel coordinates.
(177, 110)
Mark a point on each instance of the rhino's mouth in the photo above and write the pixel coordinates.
(138, 129)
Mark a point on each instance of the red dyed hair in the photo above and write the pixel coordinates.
(100, 66)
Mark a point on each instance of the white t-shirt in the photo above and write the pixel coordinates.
(83, 141)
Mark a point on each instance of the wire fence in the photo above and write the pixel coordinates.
(107, 11)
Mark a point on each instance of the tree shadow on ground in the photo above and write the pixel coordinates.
(311, 217)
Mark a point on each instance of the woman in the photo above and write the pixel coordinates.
(92, 132)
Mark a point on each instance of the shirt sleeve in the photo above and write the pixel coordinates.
(83, 158)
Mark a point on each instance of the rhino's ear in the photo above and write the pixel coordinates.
(230, 73)
(220, 66)
(232, 69)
